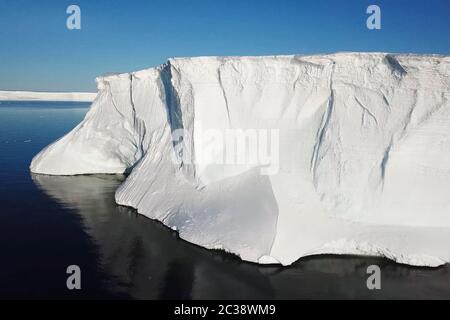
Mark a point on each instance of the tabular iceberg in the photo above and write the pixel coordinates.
(47, 96)
(362, 145)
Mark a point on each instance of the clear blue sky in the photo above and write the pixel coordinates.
(39, 53)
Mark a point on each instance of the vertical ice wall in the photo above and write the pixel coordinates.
(361, 165)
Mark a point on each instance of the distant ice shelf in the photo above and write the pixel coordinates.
(363, 159)
(47, 96)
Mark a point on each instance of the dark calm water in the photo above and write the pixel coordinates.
(48, 223)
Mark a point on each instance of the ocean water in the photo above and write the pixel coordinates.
(48, 223)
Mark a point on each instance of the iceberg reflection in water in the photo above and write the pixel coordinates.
(149, 261)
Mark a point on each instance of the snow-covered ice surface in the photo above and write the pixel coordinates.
(364, 153)
(47, 96)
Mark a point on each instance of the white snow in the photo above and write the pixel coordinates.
(47, 96)
(362, 153)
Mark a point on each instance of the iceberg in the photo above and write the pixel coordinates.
(345, 153)
(47, 96)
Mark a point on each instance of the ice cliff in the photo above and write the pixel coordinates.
(359, 145)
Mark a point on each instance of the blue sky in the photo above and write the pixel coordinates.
(39, 53)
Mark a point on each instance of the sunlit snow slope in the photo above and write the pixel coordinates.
(363, 165)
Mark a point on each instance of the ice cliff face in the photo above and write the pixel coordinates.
(356, 153)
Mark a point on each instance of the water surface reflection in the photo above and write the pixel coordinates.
(149, 261)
